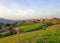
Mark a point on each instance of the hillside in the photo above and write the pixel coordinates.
(39, 36)
(35, 26)
(31, 27)
(53, 27)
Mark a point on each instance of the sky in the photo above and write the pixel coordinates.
(29, 9)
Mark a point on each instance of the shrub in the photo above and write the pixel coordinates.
(48, 24)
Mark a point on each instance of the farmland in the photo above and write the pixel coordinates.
(39, 36)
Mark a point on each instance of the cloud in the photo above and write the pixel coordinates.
(15, 11)
(18, 13)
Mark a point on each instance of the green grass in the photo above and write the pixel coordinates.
(52, 27)
(39, 36)
(3, 33)
(35, 26)
(28, 27)
(25, 24)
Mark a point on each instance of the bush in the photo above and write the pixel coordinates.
(47, 24)
(1, 35)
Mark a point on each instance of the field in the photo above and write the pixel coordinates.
(30, 27)
(34, 26)
(38, 36)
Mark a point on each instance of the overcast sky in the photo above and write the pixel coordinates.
(29, 9)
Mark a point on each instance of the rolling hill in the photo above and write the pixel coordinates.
(39, 36)
(3, 20)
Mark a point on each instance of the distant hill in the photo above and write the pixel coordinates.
(3, 20)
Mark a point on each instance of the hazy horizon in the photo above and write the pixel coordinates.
(29, 9)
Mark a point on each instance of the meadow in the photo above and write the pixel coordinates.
(50, 35)
(34, 26)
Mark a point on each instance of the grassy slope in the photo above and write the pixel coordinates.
(40, 36)
(28, 27)
(52, 27)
